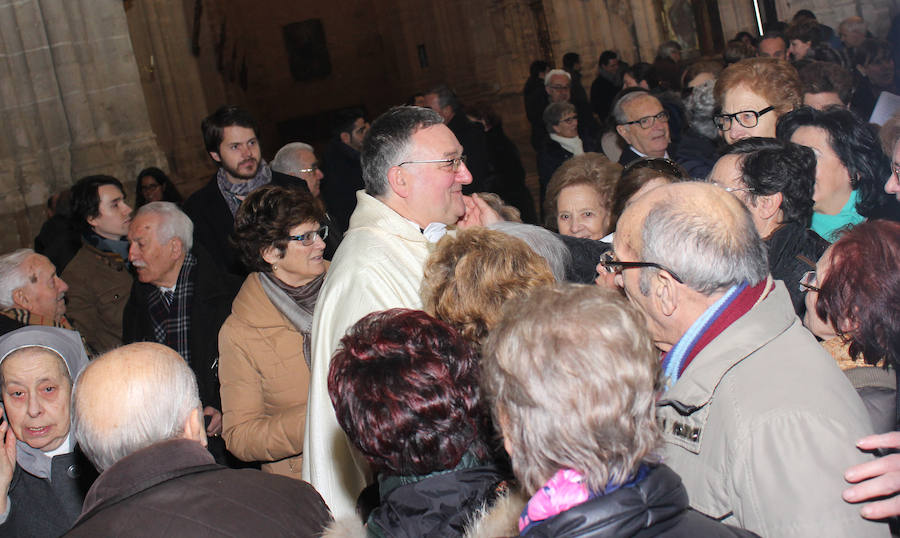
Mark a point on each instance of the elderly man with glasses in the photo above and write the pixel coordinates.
(644, 124)
(757, 418)
(414, 170)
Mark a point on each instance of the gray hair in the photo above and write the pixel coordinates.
(388, 142)
(287, 160)
(554, 112)
(446, 97)
(700, 107)
(584, 349)
(553, 72)
(544, 243)
(12, 277)
(666, 49)
(619, 110)
(709, 253)
(173, 223)
(152, 405)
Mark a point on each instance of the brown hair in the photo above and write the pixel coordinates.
(775, 80)
(591, 169)
(469, 277)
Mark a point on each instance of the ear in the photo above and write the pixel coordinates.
(665, 293)
(194, 428)
(768, 206)
(20, 298)
(176, 247)
(345, 138)
(623, 132)
(271, 255)
(91, 221)
(215, 156)
(399, 181)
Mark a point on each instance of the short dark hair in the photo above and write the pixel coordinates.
(643, 71)
(537, 67)
(446, 97)
(635, 176)
(213, 126)
(86, 198)
(862, 287)
(405, 390)
(170, 192)
(827, 77)
(265, 219)
(570, 59)
(606, 56)
(736, 50)
(807, 31)
(344, 120)
(769, 165)
(804, 14)
(856, 145)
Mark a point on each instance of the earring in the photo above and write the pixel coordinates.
(274, 267)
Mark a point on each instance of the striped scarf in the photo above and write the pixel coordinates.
(736, 302)
(172, 322)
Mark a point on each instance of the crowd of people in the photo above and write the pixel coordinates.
(693, 331)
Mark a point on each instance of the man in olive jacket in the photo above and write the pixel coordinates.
(757, 418)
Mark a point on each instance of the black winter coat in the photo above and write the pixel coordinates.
(343, 177)
(786, 247)
(213, 225)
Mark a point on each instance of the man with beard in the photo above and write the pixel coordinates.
(230, 138)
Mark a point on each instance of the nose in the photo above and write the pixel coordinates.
(132, 252)
(126, 209)
(575, 224)
(34, 405)
(61, 285)
(319, 174)
(893, 185)
(463, 175)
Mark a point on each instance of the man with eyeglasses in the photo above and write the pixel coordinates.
(181, 299)
(295, 167)
(414, 169)
(757, 418)
(644, 124)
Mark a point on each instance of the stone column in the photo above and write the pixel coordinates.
(71, 102)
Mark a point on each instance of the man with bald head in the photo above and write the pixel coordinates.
(758, 419)
(137, 416)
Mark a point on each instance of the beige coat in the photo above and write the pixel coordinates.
(264, 383)
(762, 425)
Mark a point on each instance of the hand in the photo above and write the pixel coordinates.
(478, 213)
(7, 461)
(877, 478)
(215, 424)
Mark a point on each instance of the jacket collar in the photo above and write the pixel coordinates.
(373, 213)
(768, 319)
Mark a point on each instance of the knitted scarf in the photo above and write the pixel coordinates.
(572, 145)
(234, 193)
(296, 304)
(564, 490)
(736, 302)
(172, 322)
(27, 318)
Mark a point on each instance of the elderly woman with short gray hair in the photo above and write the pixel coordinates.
(564, 142)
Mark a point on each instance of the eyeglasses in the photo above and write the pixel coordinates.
(312, 168)
(453, 164)
(309, 238)
(895, 168)
(612, 265)
(150, 186)
(748, 118)
(808, 282)
(570, 119)
(558, 87)
(731, 189)
(648, 121)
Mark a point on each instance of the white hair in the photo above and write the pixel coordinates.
(619, 108)
(152, 405)
(553, 72)
(287, 159)
(543, 242)
(173, 223)
(12, 277)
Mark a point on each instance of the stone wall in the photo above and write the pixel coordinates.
(70, 102)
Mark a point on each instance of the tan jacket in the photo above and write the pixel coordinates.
(264, 383)
(762, 425)
(99, 287)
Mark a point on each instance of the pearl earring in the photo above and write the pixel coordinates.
(274, 267)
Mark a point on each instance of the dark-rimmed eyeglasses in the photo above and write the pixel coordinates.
(453, 164)
(612, 265)
(747, 118)
(648, 121)
(808, 282)
(308, 238)
(570, 119)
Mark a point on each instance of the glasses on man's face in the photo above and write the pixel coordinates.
(308, 238)
(747, 118)
(450, 164)
(612, 265)
(730, 189)
(808, 282)
(559, 88)
(648, 121)
(312, 168)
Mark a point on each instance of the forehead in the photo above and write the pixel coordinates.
(109, 192)
(143, 226)
(436, 141)
(306, 156)
(235, 134)
(559, 80)
(772, 43)
(727, 167)
(742, 97)
(646, 105)
(39, 265)
(814, 137)
(359, 123)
